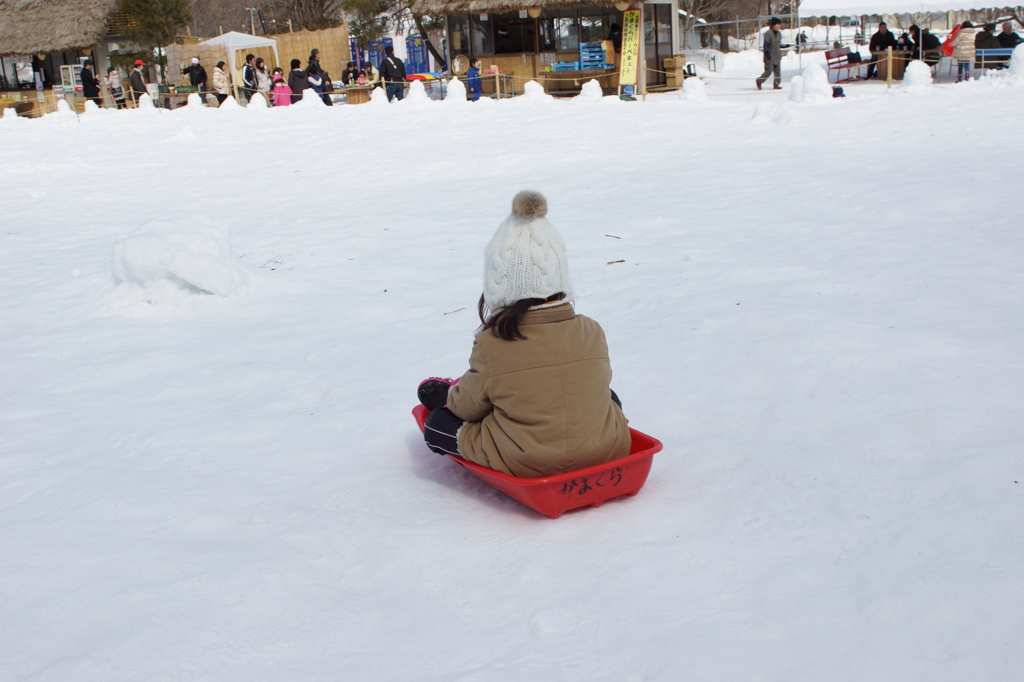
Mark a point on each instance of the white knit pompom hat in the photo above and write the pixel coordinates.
(526, 257)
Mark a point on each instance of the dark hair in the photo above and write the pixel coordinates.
(249, 56)
(990, 27)
(774, 21)
(296, 64)
(220, 65)
(504, 322)
(389, 50)
(967, 24)
(350, 64)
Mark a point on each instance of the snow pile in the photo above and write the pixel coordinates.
(917, 77)
(230, 103)
(590, 92)
(191, 256)
(456, 92)
(694, 90)
(194, 101)
(259, 101)
(10, 112)
(91, 107)
(310, 98)
(533, 92)
(1017, 64)
(811, 87)
(378, 96)
(186, 134)
(417, 94)
(146, 103)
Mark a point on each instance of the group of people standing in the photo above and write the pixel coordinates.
(282, 89)
(278, 88)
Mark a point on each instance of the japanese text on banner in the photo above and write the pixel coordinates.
(630, 47)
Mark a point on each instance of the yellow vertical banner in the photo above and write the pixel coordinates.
(630, 47)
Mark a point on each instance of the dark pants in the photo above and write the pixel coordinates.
(871, 66)
(441, 431)
(769, 68)
(395, 91)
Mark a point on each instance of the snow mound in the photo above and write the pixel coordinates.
(456, 92)
(917, 77)
(91, 107)
(194, 101)
(1017, 64)
(533, 92)
(417, 93)
(146, 103)
(186, 134)
(189, 257)
(310, 98)
(694, 90)
(811, 86)
(590, 92)
(230, 103)
(259, 101)
(378, 96)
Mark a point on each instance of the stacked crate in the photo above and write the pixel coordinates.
(592, 57)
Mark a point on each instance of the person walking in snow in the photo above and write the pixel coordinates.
(475, 86)
(197, 77)
(138, 81)
(963, 51)
(282, 93)
(249, 82)
(297, 80)
(112, 81)
(772, 54)
(221, 83)
(263, 81)
(536, 400)
(90, 83)
(392, 72)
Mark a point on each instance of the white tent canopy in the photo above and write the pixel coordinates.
(854, 8)
(234, 42)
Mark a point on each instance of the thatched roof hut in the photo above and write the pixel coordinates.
(45, 26)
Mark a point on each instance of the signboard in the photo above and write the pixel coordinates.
(418, 59)
(630, 47)
(376, 55)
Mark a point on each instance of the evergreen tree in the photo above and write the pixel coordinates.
(155, 23)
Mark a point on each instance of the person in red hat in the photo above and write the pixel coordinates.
(138, 81)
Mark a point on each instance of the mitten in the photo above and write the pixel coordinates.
(433, 392)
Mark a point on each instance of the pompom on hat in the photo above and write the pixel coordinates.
(526, 257)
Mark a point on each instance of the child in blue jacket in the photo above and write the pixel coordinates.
(473, 79)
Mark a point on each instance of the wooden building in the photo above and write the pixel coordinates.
(541, 39)
(52, 34)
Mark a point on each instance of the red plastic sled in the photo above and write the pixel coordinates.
(589, 487)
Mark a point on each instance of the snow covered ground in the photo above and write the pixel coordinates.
(214, 322)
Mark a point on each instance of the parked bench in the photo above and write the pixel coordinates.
(839, 60)
(993, 58)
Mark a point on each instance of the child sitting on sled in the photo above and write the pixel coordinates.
(536, 400)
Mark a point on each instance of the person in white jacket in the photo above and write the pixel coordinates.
(221, 83)
(963, 50)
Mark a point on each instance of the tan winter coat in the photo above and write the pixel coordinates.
(540, 406)
(963, 45)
